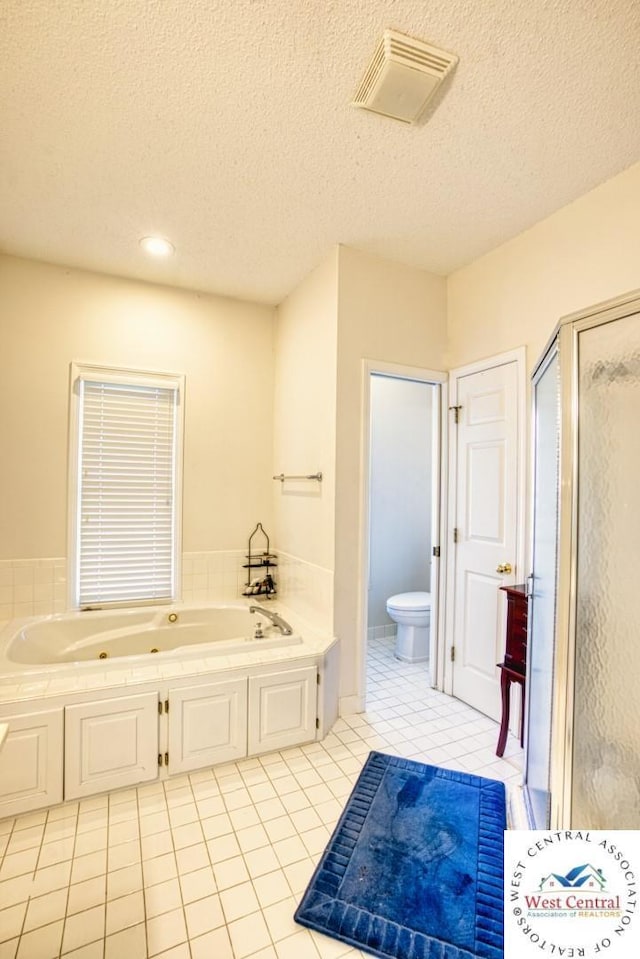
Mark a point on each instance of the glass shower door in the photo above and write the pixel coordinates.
(605, 787)
(542, 601)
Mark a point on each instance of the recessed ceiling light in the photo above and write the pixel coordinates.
(157, 246)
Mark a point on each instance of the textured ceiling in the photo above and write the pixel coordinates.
(226, 126)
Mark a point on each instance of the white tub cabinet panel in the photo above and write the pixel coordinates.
(110, 744)
(282, 709)
(328, 690)
(207, 725)
(31, 762)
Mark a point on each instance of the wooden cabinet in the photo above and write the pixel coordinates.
(513, 669)
(207, 724)
(515, 654)
(282, 709)
(110, 744)
(31, 762)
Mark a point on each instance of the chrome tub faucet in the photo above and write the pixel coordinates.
(276, 620)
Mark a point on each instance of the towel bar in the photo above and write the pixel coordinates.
(308, 476)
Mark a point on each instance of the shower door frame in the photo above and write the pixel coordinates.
(563, 704)
(540, 370)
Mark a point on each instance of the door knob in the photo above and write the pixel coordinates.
(504, 568)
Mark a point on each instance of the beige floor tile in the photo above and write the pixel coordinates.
(42, 943)
(248, 935)
(83, 927)
(203, 916)
(130, 943)
(197, 885)
(213, 944)
(46, 909)
(84, 895)
(124, 912)
(166, 931)
(11, 921)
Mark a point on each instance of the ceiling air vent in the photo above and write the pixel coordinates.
(402, 77)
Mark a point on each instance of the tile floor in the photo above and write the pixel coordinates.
(211, 865)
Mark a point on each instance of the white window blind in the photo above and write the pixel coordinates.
(126, 492)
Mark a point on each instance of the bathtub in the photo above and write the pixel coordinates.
(100, 636)
(103, 700)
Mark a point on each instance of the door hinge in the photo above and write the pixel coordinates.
(456, 413)
(453, 654)
(436, 550)
(455, 534)
(317, 723)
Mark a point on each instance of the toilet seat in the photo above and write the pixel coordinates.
(416, 602)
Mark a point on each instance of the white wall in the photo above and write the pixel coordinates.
(582, 254)
(399, 491)
(304, 441)
(305, 414)
(51, 315)
(385, 312)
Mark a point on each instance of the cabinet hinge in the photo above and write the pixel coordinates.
(453, 654)
(317, 723)
(436, 551)
(456, 413)
(455, 534)
(166, 705)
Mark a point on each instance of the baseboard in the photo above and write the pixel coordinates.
(350, 704)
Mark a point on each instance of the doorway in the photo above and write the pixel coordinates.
(402, 509)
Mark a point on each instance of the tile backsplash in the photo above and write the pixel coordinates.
(38, 587)
(33, 587)
(214, 575)
(307, 589)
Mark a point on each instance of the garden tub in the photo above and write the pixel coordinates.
(98, 635)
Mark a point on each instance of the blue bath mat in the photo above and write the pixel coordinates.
(414, 867)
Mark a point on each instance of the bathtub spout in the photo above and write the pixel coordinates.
(277, 621)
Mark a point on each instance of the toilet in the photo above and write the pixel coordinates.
(412, 613)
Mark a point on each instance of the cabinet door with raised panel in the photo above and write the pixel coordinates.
(282, 709)
(207, 725)
(110, 744)
(31, 762)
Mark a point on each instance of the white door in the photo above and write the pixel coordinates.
(207, 725)
(110, 744)
(282, 709)
(488, 473)
(31, 763)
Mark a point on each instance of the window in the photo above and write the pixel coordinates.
(125, 485)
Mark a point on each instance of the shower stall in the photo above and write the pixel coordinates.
(582, 762)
